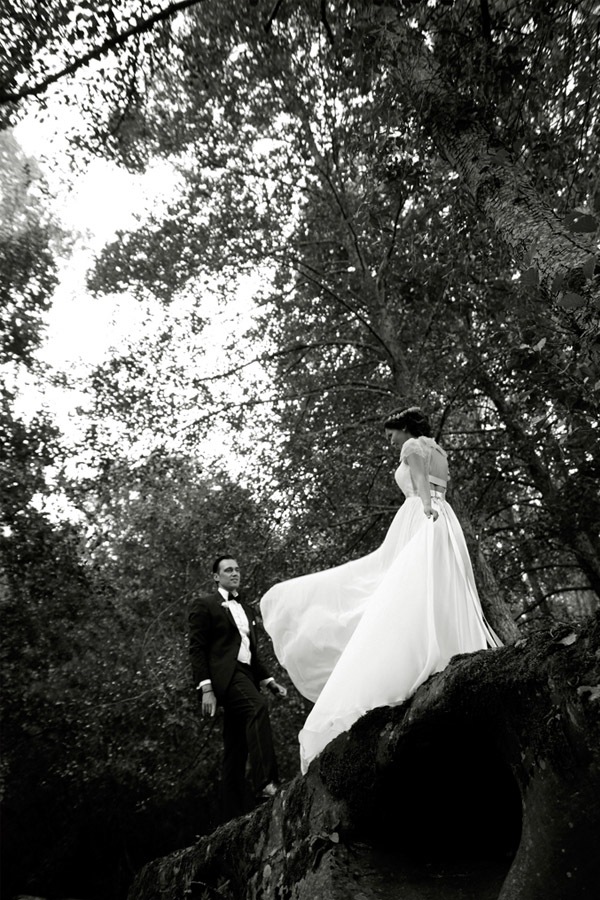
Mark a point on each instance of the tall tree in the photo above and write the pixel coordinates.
(376, 300)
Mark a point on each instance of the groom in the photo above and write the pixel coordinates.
(229, 673)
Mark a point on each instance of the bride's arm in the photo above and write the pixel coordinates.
(416, 464)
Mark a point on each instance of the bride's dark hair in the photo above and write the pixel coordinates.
(411, 419)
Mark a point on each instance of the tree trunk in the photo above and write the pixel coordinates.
(483, 785)
(560, 260)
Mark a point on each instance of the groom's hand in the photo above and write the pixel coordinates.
(209, 703)
(278, 690)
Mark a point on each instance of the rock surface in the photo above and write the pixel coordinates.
(484, 785)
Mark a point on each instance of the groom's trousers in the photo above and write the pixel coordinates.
(247, 737)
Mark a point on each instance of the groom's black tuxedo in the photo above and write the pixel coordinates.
(215, 642)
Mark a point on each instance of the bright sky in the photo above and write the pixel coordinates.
(95, 204)
(83, 330)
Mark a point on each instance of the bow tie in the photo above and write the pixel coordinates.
(230, 597)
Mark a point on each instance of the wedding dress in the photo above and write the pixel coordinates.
(369, 632)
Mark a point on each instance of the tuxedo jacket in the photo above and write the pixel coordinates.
(215, 642)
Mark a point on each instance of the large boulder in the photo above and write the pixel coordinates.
(485, 784)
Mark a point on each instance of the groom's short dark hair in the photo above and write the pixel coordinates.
(218, 562)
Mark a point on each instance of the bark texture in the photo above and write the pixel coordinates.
(554, 256)
(484, 785)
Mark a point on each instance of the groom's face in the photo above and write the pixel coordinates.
(228, 576)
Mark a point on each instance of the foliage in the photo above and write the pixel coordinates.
(97, 688)
(308, 154)
(389, 285)
(27, 267)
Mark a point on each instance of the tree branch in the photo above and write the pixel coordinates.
(541, 600)
(326, 24)
(111, 44)
(486, 22)
(272, 16)
(292, 348)
(265, 401)
(307, 272)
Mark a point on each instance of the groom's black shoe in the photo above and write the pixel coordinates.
(269, 791)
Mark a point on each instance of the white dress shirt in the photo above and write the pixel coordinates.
(241, 620)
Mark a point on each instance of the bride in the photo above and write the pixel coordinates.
(369, 632)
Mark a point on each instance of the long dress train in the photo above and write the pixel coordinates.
(369, 632)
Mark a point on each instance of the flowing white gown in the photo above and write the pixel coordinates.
(369, 632)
